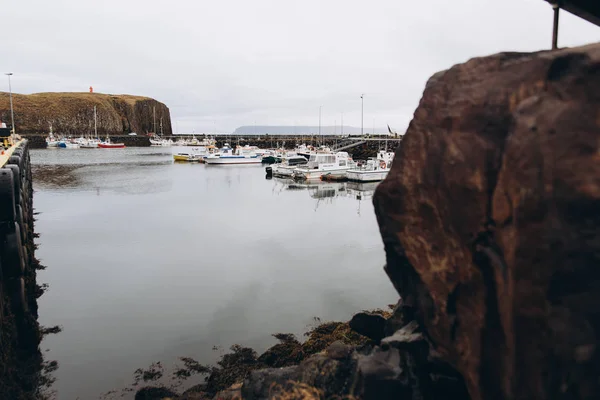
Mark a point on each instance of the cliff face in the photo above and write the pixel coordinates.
(73, 113)
(490, 222)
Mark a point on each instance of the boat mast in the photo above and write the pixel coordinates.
(95, 123)
(161, 130)
(154, 118)
(320, 125)
(342, 125)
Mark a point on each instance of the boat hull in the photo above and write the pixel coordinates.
(283, 172)
(111, 145)
(367, 176)
(316, 174)
(232, 160)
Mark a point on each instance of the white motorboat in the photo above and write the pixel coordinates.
(89, 143)
(161, 142)
(375, 169)
(286, 168)
(324, 163)
(51, 141)
(228, 156)
(67, 144)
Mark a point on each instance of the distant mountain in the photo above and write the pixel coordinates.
(303, 130)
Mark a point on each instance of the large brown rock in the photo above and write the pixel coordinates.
(490, 219)
(73, 113)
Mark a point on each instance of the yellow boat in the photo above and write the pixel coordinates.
(181, 157)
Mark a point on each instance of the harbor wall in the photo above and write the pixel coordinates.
(72, 114)
(20, 334)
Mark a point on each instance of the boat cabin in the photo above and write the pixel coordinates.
(339, 159)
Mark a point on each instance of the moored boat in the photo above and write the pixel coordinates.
(324, 163)
(286, 168)
(109, 145)
(51, 141)
(375, 169)
(228, 156)
(187, 157)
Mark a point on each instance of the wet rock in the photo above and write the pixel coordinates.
(258, 384)
(325, 334)
(234, 392)
(288, 352)
(380, 376)
(490, 223)
(369, 324)
(339, 351)
(155, 393)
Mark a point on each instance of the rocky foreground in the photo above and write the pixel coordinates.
(72, 113)
(490, 220)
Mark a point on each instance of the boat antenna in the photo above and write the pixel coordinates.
(154, 118)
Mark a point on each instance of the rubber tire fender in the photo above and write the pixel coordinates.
(7, 196)
(13, 260)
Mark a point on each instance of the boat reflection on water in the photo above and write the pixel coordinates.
(328, 190)
(361, 190)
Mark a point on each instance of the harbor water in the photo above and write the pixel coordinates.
(148, 260)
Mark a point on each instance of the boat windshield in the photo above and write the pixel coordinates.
(322, 158)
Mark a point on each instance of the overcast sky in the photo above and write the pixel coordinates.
(224, 63)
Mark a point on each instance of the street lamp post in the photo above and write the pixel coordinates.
(320, 123)
(362, 113)
(12, 114)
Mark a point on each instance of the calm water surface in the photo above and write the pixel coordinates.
(150, 260)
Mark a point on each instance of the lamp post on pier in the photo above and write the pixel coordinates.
(362, 113)
(12, 114)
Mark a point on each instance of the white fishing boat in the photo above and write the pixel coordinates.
(161, 142)
(228, 156)
(286, 168)
(89, 143)
(51, 141)
(68, 144)
(324, 163)
(375, 169)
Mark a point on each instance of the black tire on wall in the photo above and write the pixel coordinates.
(20, 221)
(13, 260)
(7, 198)
(15, 160)
(16, 294)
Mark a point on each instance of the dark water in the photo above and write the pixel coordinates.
(149, 260)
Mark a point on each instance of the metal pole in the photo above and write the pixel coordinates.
(320, 124)
(12, 114)
(342, 126)
(555, 27)
(362, 111)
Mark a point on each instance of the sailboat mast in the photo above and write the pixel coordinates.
(342, 125)
(95, 123)
(154, 118)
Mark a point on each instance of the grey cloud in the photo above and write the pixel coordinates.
(221, 64)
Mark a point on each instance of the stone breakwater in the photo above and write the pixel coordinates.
(72, 114)
(21, 362)
(490, 223)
